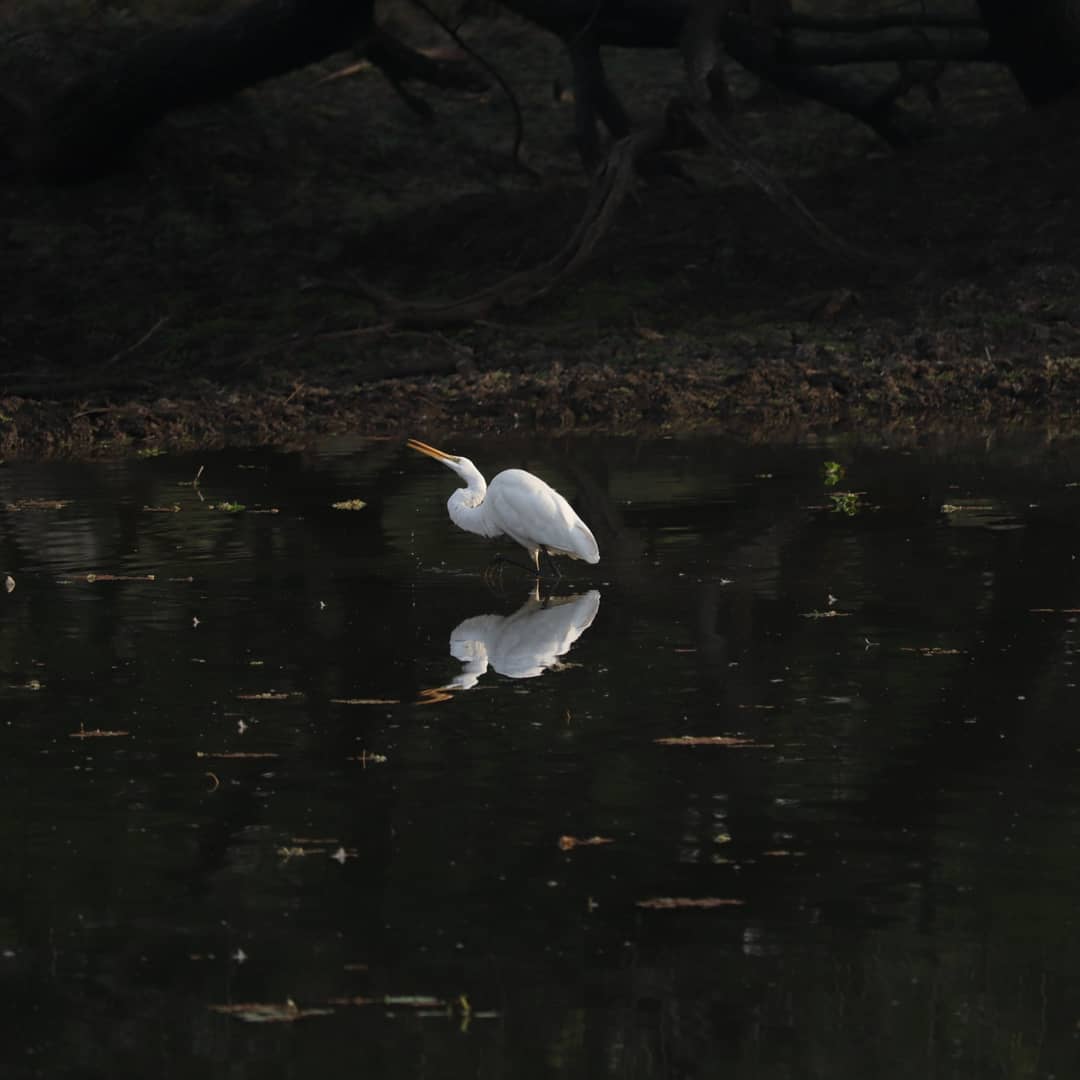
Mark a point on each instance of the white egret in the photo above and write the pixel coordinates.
(518, 505)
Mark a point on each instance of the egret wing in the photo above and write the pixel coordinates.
(534, 514)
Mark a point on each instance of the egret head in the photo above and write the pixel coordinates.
(461, 465)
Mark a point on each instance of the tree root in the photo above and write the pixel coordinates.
(684, 124)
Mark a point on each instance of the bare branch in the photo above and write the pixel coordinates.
(491, 69)
(142, 341)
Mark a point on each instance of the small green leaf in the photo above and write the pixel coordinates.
(846, 502)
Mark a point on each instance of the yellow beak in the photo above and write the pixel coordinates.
(416, 444)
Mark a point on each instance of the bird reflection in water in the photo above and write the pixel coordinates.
(519, 646)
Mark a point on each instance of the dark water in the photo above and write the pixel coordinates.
(891, 820)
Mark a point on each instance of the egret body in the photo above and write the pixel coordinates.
(518, 505)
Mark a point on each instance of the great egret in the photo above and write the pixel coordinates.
(516, 504)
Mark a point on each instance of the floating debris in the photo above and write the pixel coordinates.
(931, 650)
(301, 846)
(712, 740)
(269, 695)
(398, 1001)
(224, 754)
(296, 852)
(349, 504)
(263, 1012)
(227, 507)
(21, 505)
(433, 696)
(9, 583)
(568, 843)
(173, 509)
(96, 733)
(364, 758)
(364, 701)
(665, 903)
(91, 578)
(832, 613)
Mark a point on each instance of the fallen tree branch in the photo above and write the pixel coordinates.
(138, 344)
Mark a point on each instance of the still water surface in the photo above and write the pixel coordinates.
(317, 763)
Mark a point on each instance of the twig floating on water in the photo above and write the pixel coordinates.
(665, 903)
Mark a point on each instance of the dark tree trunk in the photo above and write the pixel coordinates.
(1040, 41)
(80, 132)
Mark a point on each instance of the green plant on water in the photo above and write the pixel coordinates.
(846, 502)
(229, 507)
(834, 473)
(149, 452)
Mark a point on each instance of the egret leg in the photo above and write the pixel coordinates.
(549, 564)
(499, 560)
